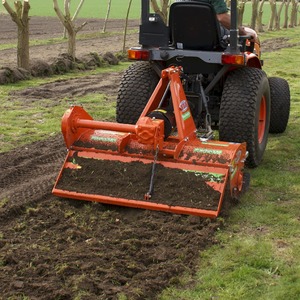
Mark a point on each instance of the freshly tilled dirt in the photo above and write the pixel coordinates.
(54, 248)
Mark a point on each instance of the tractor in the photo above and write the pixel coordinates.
(226, 87)
(192, 110)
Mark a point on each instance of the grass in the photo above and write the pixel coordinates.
(90, 8)
(22, 122)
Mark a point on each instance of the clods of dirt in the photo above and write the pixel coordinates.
(131, 181)
(12, 75)
(62, 64)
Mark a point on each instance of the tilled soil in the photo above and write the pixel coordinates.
(131, 180)
(54, 248)
(70, 89)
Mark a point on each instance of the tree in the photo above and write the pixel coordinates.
(68, 23)
(273, 16)
(21, 18)
(67, 4)
(163, 11)
(241, 9)
(277, 23)
(294, 11)
(126, 23)
(107, 15)
(259, 17)
(254, 13)
(286, 14)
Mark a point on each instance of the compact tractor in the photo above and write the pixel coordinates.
(191, 81)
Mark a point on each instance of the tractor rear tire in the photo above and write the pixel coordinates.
(245, 111)
(137, 85)
(280, 104)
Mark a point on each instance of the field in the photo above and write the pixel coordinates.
(90, 9)
(97, 9)
(53, 248)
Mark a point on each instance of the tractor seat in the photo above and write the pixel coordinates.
(194, 26)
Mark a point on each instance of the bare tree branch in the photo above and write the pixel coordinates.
(12, 13)
(77, 10)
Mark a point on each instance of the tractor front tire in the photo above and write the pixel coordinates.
(137, 85)
(245, 111)
(280, 104)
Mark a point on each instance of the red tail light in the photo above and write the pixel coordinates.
(233, 59)
(138, 54)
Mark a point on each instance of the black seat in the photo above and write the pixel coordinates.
(194, 26)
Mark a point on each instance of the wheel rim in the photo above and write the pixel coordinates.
(262, 119)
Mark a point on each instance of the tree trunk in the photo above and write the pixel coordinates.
(163, 12)
(286, 14)
(23, 47)
(72, 43)
(259, 17)
(21, 18)
(293, 19)
(69, 25)
(241, 9)
(277, 23)
(126, 23)
(107, 16)
(273, 14)
(254, 13)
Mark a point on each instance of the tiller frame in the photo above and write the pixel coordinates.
(147, 141)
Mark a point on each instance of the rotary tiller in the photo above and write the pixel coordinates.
(163, 141)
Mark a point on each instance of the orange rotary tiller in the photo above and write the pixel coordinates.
(163, 141)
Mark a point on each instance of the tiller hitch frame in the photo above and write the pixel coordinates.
(168, 138)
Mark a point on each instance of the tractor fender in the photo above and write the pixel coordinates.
(251, 60)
